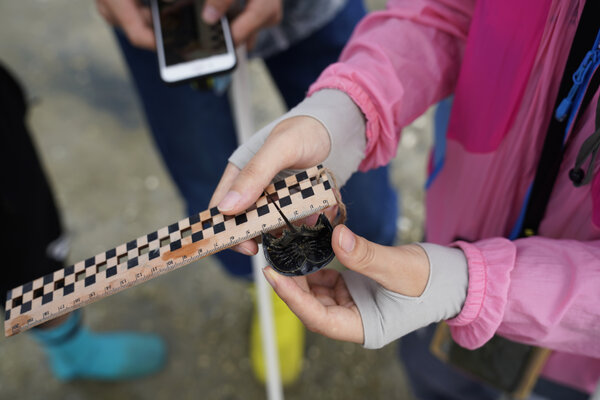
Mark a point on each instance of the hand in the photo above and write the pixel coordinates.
(132, 17)
(256, 15)
(322, 300)
(297, 142)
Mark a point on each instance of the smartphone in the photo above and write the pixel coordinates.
(187, 47)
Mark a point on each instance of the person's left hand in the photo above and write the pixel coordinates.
(131, 16)
(322, 300)
(256, 15)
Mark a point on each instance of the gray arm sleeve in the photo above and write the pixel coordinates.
(343, 120)
(387, 316)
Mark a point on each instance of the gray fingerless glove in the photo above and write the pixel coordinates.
(344, 122)
(387, 316)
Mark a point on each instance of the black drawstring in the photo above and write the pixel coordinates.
(588, 148)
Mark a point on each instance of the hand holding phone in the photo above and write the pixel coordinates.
(133, 17)
(256, 15)
(187, 47)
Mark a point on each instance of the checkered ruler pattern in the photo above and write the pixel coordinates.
(161, 251)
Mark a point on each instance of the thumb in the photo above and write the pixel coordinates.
(296, 142)
(402, 269)
(361, 255)
(214, 10)
(249, 183)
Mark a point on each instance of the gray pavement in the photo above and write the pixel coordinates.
(112, 186)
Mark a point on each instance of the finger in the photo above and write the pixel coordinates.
(322, 291)
(249, 22)
(342, 294)
(297, 142)
(334, 322)
(105, 12)
(329, 282)
(324, 297)
(251, 41)
(248, 185)
(302, 283)
(403, 269)
(229, 175)
(324, 277)
(214, 10)
(249, 247)
(129, 16)
(146, 15)
(360, 255)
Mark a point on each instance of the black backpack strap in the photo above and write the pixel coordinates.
(552, 151)
(589, 148)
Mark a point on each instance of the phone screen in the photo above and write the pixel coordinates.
(185, 36)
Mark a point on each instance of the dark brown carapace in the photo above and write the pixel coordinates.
(299, 250)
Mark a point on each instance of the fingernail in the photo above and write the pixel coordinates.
(346, 240)
(229, 201)
(271, 276)
(244, 250)
(210, 15)
(311, 219)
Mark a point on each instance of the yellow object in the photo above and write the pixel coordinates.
(290, 342)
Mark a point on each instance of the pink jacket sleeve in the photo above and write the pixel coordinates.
(379, 75)
(538, 291)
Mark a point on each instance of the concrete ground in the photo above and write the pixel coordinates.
(111, 186)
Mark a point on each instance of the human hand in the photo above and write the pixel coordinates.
(256, 15)
(132, 17)
(322, 300)
(298, 142)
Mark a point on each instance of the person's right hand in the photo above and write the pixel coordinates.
(256, 15)
(298, 142)
(132, 17)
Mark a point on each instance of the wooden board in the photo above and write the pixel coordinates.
(161, 251)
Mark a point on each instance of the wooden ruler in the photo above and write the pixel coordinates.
(162, 251)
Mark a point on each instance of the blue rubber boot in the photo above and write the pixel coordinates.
(75, 352)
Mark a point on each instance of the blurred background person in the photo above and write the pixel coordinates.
(194, 130)
(33, 245)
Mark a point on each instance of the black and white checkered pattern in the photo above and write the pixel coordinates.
(98, 269)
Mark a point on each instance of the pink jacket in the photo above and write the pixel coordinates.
(503, 60)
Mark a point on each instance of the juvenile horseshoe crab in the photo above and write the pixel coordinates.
(299, 250)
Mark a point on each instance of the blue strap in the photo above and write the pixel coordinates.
(569, 106)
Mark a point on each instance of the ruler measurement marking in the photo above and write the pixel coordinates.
(146, 258)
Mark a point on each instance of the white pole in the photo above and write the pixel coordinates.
(240, 99)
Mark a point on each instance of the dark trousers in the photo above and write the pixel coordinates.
(28, 214)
